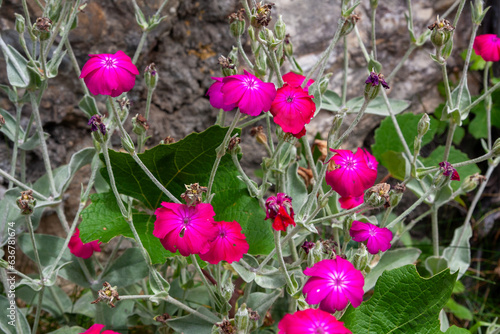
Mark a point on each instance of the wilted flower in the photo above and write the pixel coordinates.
(96, 123)
(229, 245)
(351, 174)
(109, 74)
(488, 47)
(448, 170)
(375, 79)
(216, 97)
(79, 249)
(188, 229)
(333, 284)
(377, 239)
(248, 92)
(280, 209)
(311, 321)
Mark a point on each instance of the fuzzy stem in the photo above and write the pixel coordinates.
(435, 230)
(412, 207)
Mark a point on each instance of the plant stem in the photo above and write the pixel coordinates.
(269, 256)
(250, 122)
(13, 161)
(141, 141)
(345, 70)
(459, 11)
(374, 39)
(76, 67)
(42, 279)
(412, 207)
(340, 214)
(487, 104)
(22, 185)
(140, 46)
(221, 150)
(449, 140)
(361, 112)
(435, 230)
(481, 98)
(463, 80)
(202, 276)
(410, 226)
(243, 53)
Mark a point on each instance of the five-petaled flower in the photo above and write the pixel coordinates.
(311, 321)
(229, 245)
(279, 208)
(377, 239)
(188, 229)
(216, 96)
(333, 283)
(79, 249)
(109, 74)
(487, 46)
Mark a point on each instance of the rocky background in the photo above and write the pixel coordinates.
(185, 48)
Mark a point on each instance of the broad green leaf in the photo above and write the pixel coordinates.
(188, 161)
(386, 138)
(478, 126)
(128, 269)
(296, 188)
(331, 101)
(192, 324)
(457, 330)
(435, 264)
(261, 302)
(465, 101)
(117, 317)
(13, 320)
(458, 252)
(17, 66)
(83, 305)
(32, 142)
(246, 274)
(436, 157)
(55, 300)
(377, 106)
(88, 105)
(402, 302)
(397, 164)
(477, 62)
(460, 311)
(390, 260)
(270, 281)
(9, 128)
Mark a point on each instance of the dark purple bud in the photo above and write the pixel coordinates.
(307, 246)
(448, 170)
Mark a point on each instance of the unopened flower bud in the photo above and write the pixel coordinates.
(442, 30)
(374, 4)
(227, 290)
(377, 195)
(237, 23)
(20, 23)
(251, 33)
(280, 28)
(127, 143)
(423, 125)
(26, 203)
(268, 35)
(288, 46)
(193, 194)
(151, 76)
(258, 133)
(349, 24)
(316, 254)
(324, 82)
(472, 181)
(43, 25)
(4, 264)
(242, 319)
(360, 259)
(478, 12)
(496, 147)
(373, 84)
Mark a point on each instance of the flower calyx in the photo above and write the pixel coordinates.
(261, 15)
(108, 294)
(193, 194)
(26, 203)
(441, 32)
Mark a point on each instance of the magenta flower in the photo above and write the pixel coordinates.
(370, 160)
(351, 175)
(79, 249)
(216, 96)
(350, 202)
(449, 170)
(311, 321)
(333, 283)
(377, 239)
(229, 245)
(292, 108)
(109, 74)
(296, 80)
(248, 92)
(488, 47)
(279, 208)
(96, 329)
(188, 229)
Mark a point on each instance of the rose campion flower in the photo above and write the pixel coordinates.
(377, 239)
(292, 108)
(487, 46)
(279, 208)
(296, 80)
(229, 245)
(216, 96)
(311, 321)
(109, 74)
(333, 283)
(350, 202)
(248, 92)
(188, 229)
(79, 249)
(351, 175)
(97, 328)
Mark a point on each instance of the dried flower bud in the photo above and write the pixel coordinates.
(225, 327)
(349, 24)
(167, 140)
(26, 203)
(472, 181)
(193, 194)
(107, 294)
(307, 246)
(20, 23)
(442, 30)
(162, 318)
(373, 84)
(448, 170)
(127, 143)
(227, 66)
(140, 124)
(423, 125)
(261, 15)
(151, 76)
(43, 25)
(378, 195)
(124, 102)
(254, 320)
(237, 23)
(306, 174)
(234, 146)
(258, 133)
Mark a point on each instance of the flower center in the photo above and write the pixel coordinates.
(289, 99)
(349, 163)
(372, 232)
(186, 221)
(109, 62)
(251, 84)
(319, 330)
(222, 234)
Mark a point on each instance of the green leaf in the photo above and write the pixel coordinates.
(244, 273)
(17, 66)
(52, 296)
(83, 305)
(397, 164)
(32, 142)
(88, 105)
(460, 311)
(458, 252)
(12, 323)
(9, 128)
(390, 260)
(477, 62)
(478, 126)
(102, 220)
(377, 106)
(128, 269)
(436, 157)
(435, 264)
(53, 65)
(188, 161)
(402, 302)
(457, 330)
(192, 324)
(69, 330)
(331, 101)
(295, 187)
(386, 138)
(270, 281)
(261, 302)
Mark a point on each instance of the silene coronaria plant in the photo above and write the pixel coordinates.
(329, 235)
